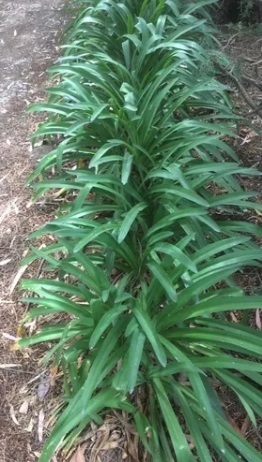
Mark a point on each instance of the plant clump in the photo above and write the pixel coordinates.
(144, 270)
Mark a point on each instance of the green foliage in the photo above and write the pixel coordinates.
(246, 7)
(240, 12)
(144, 269)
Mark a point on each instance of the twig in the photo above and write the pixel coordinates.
(252, 81)
(255, 110)
(242, 90)
(230, 41)
(256, 63)
(250, 60)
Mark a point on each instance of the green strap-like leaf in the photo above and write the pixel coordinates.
(163, 279)
(151, 334)
(129, 219)
(108, 318)
(177, 435)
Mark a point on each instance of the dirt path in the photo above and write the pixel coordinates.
(29, 31)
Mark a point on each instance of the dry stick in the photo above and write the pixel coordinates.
(250, 60)
(242, 90)
(256, 63)
(252, 81)
(255, 111)
(230, 41)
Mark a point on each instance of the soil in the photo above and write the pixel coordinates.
(29, 33)
(29, 40)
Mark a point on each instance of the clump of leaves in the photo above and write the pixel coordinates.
(144, 269)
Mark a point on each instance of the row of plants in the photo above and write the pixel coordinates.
(144, 269)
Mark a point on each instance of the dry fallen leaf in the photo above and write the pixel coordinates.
(17, 278)
(31, 326)
(233, 423)
(13, 416)
(110, 445)
(43, 388)
(79, 455)
(5, 262)
(53, 375)
(10, 337)
(20, 331)
(258, 319)
(245, 425)
(30, 427)
(24, 407)
(41, 418)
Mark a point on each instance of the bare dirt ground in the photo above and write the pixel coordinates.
(29, 33)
